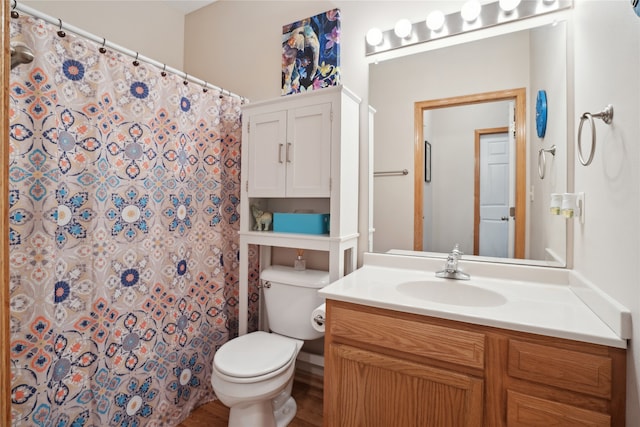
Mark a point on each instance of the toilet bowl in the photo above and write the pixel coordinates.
(253, 374)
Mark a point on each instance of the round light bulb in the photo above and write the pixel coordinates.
(509, 5)
(374, 36)
(471, 10)
(402, 28)
(435, 20)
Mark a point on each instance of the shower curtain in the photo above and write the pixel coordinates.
(124, 192)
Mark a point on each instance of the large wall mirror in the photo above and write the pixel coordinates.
(444, 116)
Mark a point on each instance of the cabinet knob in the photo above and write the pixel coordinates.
(280, 153)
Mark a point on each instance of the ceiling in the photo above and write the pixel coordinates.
(188, 6)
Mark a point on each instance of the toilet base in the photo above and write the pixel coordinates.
(254, 414)
(286, 412)
(278, 412)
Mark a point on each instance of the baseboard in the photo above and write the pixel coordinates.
(308, 378)
(310, 364)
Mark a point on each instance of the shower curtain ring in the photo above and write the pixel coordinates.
(135, 61)
(163, 73)
(103, 49)
(185, 82)
(14, 12)
(221, 93)
(61, 33)
(204, 87)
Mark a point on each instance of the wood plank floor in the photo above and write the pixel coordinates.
(307, 391)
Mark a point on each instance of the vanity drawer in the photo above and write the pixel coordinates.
(567, 369)
(374, 327)
(527, 411)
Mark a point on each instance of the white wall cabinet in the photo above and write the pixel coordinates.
(290, 152)
(300, 153)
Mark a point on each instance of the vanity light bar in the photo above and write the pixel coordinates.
(490, 15)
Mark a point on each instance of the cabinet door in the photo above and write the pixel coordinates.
(308, 151)
(267, 154)
(363, 388)
(530, 411)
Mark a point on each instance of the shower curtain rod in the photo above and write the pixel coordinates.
(106, 43)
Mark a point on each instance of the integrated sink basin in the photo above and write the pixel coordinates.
(451, 292)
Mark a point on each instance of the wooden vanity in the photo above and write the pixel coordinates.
(390, 368)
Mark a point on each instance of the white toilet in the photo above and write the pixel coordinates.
(253, 374)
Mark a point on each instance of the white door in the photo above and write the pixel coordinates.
(308, 151)
(267, 146)
(494, 196)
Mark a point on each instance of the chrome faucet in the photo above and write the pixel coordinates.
(451, 266)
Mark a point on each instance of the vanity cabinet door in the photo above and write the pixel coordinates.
(370, 389)
(554, 382)
(529, 411)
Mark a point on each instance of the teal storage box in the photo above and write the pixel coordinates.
(304, 223)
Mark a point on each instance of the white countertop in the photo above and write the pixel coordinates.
(548, 308)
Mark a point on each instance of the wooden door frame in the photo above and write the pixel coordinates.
(5, 336)
(476, 186)
(519, 97)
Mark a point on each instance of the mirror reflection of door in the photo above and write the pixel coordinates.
(448, 212)
(494, 183)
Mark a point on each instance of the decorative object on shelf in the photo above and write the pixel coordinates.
(607, 116)
(541, 113)
(301, 222)
(311, 53)
(263, 218)
(299, 263)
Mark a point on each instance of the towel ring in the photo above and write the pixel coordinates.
(607, 116)
(542, 160)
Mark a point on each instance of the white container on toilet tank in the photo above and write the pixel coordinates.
(290, 296)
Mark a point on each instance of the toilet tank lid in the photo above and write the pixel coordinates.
(289, 276)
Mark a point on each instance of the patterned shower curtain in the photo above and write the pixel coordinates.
(124, 189)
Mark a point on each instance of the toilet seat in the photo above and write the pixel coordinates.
(255, 355)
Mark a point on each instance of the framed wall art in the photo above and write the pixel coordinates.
(427, 162)
(311, 53)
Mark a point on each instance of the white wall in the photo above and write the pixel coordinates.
(237, 46)
(151, 28)
(606, 247)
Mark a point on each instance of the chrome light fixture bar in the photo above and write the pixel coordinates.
(491, 15)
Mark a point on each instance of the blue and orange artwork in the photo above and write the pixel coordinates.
(311, 53)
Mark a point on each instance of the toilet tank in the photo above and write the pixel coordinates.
(289, 298)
